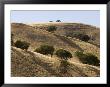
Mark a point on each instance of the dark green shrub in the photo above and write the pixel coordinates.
(51, 28)
(91, 59)
(22, 44)
(63, 54)
(82, 37)
(45, 49)
(85, 38)
(79, 35)
(88, 58)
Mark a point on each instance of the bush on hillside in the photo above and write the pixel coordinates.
(91, 59)
(45, 49)
(79, 35)
(22, 44)
(51, 28)
(88, 58)
(85, 38)
(63, 54)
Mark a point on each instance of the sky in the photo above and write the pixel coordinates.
(79, 16)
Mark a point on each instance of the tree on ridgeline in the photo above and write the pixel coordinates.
(58, 20)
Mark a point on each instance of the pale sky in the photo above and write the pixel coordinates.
(86, 17)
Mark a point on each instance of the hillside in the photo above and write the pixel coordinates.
(36, 64)
(37, 36)
(65, 28)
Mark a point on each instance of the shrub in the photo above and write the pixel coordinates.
(45, 49)
(22, 44)
(85, 38)
(88, 58)
(79, 35)
(51, 28)
(82, 36)
(63, 54)
(79, 53)
(91, 59)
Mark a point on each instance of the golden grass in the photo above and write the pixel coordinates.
(34, 64)
(30, 64)
(88, 48)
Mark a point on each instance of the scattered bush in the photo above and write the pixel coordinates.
(22, 44)
(45, 49)
(88, 58)
(82, 36)
(79, 35)
(63, 54)
(91, 59)
(85, 38)
(51, 28)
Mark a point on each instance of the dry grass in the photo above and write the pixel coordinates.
(37, 37)
(87, 47)
(34, 64)
(30, 64)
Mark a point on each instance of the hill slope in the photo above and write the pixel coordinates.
(35, 64)
(65, 28)
(30, 64)
(37, 37)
